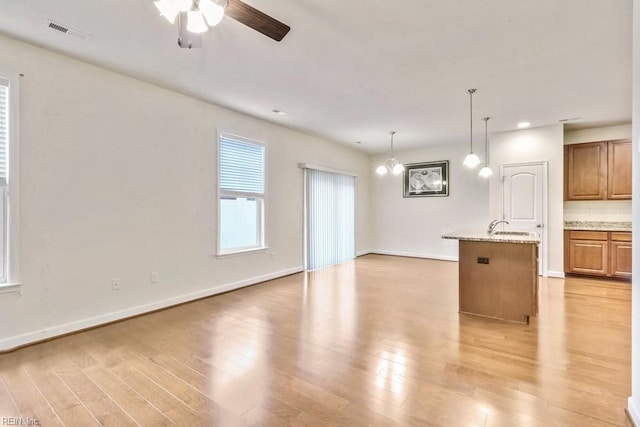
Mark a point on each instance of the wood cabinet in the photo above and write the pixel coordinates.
(620, 255)
(598, 253)
(598, 171)
(619, 170)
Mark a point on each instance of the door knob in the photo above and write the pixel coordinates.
(538, 225)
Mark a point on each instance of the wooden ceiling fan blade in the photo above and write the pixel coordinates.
(253, 18)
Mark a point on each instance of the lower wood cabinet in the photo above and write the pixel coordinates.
(598, 253)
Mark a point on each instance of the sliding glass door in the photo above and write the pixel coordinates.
(329, 218)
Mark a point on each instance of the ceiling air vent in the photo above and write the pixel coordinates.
(67, 30)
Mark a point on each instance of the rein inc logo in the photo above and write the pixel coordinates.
(20, 421)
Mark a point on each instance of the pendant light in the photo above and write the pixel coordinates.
(391, 165)
(471, 161)
(486, 171)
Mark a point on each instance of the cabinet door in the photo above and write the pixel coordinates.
(619, 154)
(587, 171)
(589, 257)
(621, 259)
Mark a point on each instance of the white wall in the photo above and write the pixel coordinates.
(118, 179)
(532, 145)
(414, 226)
(634, 401)
(605, 133)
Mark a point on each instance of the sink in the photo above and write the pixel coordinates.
(511, 233)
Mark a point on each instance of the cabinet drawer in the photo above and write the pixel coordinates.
(620, 236)
(588, 235)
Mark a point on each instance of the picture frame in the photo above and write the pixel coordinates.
(426, 179)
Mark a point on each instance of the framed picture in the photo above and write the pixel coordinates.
(426, 179)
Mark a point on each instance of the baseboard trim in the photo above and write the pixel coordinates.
(15, 342)
(416, 255)
(632, 412)
(362, 253)
(556, 274)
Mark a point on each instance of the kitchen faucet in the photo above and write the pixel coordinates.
(493, 224)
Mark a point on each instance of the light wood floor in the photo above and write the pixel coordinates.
(374, 342)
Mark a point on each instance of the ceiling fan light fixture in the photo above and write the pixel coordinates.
(212, 11)
(168, 8)
(183, 5)
(195, 22)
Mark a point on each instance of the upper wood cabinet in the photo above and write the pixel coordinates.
(598, 171)
(587, 171)
(619, 170)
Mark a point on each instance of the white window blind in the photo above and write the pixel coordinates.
(330, 208)
(4, 152)
(241, 202)
(4, 129)
(241, 166)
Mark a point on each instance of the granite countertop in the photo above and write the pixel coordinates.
(483, 236)
(598, 225)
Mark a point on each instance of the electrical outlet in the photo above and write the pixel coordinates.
(153, 277)
(115, 284)
(273, 255)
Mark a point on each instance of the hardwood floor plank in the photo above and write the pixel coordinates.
(103, 408)
(8, 407)
(29, 401)
(67, 406)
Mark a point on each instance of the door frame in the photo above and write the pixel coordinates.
(543, 254)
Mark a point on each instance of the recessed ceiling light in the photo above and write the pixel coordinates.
(279, 112)
(523, 125)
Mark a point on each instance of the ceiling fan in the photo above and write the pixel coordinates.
(196, 16)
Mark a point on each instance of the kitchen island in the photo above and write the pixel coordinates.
(498, 274)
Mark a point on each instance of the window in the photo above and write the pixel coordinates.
(8, 93)
(241, 194)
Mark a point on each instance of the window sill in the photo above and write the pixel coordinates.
(7, 288)
(227, 254)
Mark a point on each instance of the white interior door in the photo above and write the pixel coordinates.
(524, 201)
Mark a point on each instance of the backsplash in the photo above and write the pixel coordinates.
(598, 210)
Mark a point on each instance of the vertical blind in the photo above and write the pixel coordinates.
(4, 129)
(330, 207)
(241, 166)
(4, 148)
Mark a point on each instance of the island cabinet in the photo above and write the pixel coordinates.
(498, 279)
(598, 253)
(598, 171)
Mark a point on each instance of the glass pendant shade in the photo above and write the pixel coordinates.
(168, 8)
(471, 161)
(398, 168)
(381, 170)
(212, 11)
(485, 172)
(195, 23)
